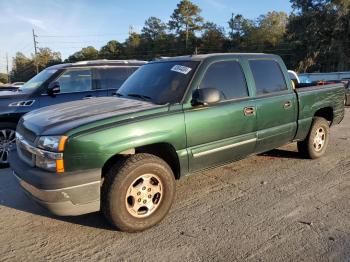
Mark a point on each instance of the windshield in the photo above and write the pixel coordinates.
(159, 83)
(37, 80)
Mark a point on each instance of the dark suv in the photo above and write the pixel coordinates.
(59, 84)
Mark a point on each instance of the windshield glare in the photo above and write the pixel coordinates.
(160, 82)
(37, 80)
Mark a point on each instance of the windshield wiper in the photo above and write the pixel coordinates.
(145, 98)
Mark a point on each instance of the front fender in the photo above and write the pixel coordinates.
(92, 149)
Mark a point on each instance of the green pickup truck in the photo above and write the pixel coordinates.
(172, 117)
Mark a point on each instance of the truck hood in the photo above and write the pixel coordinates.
(61, 118)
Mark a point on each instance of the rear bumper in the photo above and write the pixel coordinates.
(67, 194)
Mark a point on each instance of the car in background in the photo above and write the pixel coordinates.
(58, 84)
(305, 81)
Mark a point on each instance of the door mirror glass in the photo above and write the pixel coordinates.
(205, 96)
(53, 88)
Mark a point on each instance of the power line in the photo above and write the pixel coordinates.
(80, 36)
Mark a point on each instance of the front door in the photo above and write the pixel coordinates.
(225, 131)
(75, 84)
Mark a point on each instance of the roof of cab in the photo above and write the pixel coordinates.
(103, 62)
(216, 55)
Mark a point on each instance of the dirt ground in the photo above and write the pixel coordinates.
(271, 207)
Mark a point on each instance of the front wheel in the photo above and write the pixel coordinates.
(137, 192)
(315, 144)
(7, 142)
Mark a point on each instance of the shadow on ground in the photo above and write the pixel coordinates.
(282, 153)
(12, 196)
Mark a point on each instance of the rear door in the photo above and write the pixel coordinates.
(224, 131)
(276, 105)
(75, 84)
(110, 78)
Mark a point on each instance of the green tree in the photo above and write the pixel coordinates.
(3, 78)
(186, 19)
(46, 57)
(270, 28)
(153, 29)
(23, 68)
(213, 38)
(132, 46)
(240, 28)
(111, 50)
(318, 33)
(86, 53)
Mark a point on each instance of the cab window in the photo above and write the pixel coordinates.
(268, 76)
(75, 80)
(227, 77)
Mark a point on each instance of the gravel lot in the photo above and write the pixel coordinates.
(271, 207)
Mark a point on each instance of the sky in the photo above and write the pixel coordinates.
(68, 25)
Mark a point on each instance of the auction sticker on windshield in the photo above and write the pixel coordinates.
(181, 69)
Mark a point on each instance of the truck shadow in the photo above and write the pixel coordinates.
(282, 153)
(12, 196)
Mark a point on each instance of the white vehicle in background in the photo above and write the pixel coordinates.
(294, 77)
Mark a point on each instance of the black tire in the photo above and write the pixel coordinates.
(117, 183)
(6, 126)
(312, 150)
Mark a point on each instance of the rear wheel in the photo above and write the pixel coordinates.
(7, 142)
(315, 144)
(137, 192)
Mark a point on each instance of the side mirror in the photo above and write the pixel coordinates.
(205, 96)
(53, 88)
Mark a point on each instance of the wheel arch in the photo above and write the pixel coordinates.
(326, 113)
(165, 151)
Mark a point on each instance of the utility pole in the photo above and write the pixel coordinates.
(7, 68)
(232, 30)
(36, 51)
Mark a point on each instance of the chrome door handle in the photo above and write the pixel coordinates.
(88, 97)
(287, 104)
(249, 111)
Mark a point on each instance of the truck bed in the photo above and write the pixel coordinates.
(312, 99)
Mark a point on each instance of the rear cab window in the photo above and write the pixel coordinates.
(228, 77)
(268, 77)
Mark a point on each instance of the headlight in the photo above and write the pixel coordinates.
(52, 143)
(46, 163)
(52, 158)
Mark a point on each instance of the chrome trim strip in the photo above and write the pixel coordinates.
(223, 148)
(37, 151)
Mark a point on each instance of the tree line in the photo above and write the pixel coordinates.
(313, 38)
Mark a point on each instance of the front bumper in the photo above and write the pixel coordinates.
(68, 194)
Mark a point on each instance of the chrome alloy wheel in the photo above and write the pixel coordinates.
(144, 196)
(7, 142)
(319, 139)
